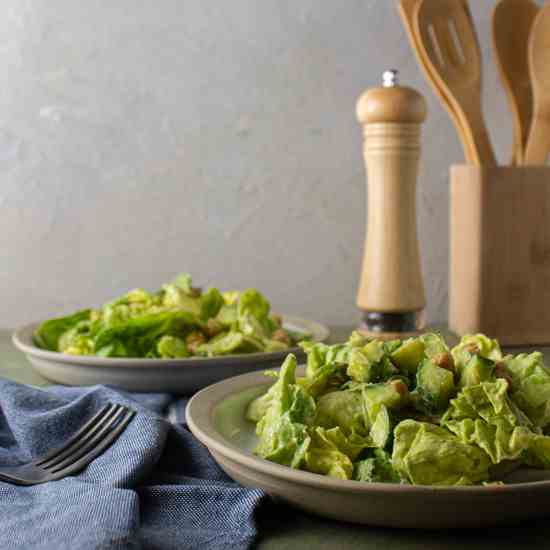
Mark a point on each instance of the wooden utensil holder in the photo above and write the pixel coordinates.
(500, 253)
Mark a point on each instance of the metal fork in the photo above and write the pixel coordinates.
(85, 446)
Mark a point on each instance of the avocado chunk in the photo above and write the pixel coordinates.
(393, 395)
(365, 363)
(477, 370)
(409, 356)
(435, 385)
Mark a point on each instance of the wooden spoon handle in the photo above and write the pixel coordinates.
(538, 145)
(476, 132)
(483, 146)
(512, 25)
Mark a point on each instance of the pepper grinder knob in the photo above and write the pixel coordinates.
(390, 78)
(391, 291)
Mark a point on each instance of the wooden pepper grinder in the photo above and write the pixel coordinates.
(391, 292)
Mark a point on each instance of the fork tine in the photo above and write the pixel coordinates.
(83, 461)
(98, 441)
(78, 443)
(76, 437)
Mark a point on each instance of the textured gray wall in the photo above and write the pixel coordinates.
(141, 138)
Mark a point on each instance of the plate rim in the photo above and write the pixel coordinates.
(22, 340)
(203, 427)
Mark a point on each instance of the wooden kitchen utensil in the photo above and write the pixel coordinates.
(407, 10)
(391, 292)
(538, 144)
(512, 25)
(449, 45)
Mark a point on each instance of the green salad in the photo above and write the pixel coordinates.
(410, 411)
(177, 321)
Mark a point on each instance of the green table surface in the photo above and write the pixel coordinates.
(289, 529)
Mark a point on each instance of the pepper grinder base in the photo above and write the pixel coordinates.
(391, 326)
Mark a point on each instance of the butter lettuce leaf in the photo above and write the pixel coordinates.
(351, 446)
(530, 387)
(253, 303)
(48, 334)
(345, 409)
(325, 367)
(224, 343)
(377, 468)
(211, 302)
(328, 376)
(253, 314)
(332, 453)
(258, 407)
(363, 411)
(184, 282)
(138, 336)
(328, 461)
(483, 415)
(172, 347)
(319, 355)
(175, 297)
(426, 454)
(227, 316)
(357, 340)
(538, 453)
(434, 344)
(282, 430)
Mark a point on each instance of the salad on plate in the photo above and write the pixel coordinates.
(178, 321)
(413, 411)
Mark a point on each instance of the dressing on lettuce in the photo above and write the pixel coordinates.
(427, 454)
(282, 430)
(530, 385)
(178, 321)
(412, 412)
(484, 415)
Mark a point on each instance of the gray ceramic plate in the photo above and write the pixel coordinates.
(153, 375)
(215, 415)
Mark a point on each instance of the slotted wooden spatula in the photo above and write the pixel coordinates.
(407, 10)
(512, 24)
(449, 44)
(538, 144)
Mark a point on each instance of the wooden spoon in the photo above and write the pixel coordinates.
(407, 10)
(512, 24)
(538, 144)
(449, 44)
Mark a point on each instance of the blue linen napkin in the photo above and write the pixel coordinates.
(155, 487)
